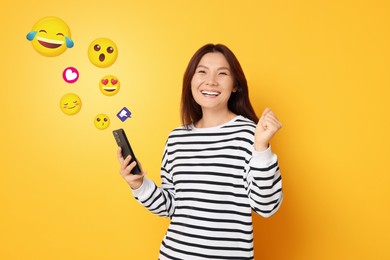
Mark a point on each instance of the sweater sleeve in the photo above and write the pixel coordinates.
(159, 200)
(264, 182)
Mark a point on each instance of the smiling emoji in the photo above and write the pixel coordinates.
(70, 104)
(109, 85)
(102, 52)
(50, 36)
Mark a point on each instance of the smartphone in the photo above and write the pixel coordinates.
(123, 142)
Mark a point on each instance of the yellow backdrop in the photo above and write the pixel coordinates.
(322, 66)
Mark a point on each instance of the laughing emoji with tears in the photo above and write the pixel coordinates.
(50, 36)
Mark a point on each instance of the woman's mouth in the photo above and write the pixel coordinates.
(210, 93)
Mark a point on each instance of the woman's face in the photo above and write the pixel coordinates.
(213, 82)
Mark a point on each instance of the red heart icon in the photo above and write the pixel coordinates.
(114, 81)
(105, 81)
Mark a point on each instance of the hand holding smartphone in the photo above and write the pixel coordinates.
(123, 142)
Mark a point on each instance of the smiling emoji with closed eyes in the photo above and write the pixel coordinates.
(70, 104)
(109, 85)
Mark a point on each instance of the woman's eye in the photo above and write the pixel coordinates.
(223, 73)
(201, 71)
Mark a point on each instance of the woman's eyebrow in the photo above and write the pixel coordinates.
(220, 68)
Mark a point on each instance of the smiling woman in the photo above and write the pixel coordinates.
(228, 72)
(213, 84)
(216, 169)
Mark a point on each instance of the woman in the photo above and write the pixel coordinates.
(216, 168)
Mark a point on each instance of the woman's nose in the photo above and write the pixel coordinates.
(212, 80)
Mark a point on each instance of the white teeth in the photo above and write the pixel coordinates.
(110, 89)
(49, 40)
(204, 92)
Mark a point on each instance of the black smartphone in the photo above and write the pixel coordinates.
(123, 142)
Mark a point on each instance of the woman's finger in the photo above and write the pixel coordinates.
(273, 120)
(119, 155)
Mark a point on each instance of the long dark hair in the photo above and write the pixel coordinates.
(238, 103)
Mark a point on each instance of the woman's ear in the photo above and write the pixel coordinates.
(236, 86)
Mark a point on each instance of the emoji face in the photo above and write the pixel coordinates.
(101, 121)
(109, 85)
(50, 36)
(102, 52)
(70, 104)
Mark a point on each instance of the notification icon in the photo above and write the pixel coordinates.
(124, 114)
(70, 75)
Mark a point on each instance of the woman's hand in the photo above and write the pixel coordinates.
(266, 128)
(134, 180)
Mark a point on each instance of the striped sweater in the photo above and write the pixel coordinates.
(212, 179)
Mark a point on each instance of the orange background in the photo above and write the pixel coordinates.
(322, 66)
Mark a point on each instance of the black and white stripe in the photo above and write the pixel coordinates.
(211, 181)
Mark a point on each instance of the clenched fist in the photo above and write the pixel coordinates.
(266, 128)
